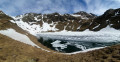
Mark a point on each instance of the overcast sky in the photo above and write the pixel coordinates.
(17, 7)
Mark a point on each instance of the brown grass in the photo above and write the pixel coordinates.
(14, 51)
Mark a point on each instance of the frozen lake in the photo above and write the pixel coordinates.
(76, 41)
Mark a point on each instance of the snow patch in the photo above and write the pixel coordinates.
(96, 26)
(79, 27)
(87, 50)
(34, 28)
(47, 27)
(17, 36)
(37, 19)
(56, 15)
(117, 13)
(12, 21)
(75, 15)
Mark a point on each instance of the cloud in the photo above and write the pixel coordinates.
(17, 7)
(117, 0)
(100, 6)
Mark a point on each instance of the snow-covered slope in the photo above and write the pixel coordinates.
(32, 27)
(19, 37)
(52, 22)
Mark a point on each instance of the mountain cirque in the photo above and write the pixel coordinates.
(13, 51)
(79, 21)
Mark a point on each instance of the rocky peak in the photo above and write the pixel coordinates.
(55, 14)
(3, 16)
(111, 13)
(4, 20)
(29, 17)
(84, 14)
(1, 12)
(111, 17)
(31, 14)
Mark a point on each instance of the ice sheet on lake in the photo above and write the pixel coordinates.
(105, 35)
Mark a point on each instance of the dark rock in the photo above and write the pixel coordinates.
(77, 23)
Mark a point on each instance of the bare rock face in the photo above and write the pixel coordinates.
(71, 22)
(111, 17)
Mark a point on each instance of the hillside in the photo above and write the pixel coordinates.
(14, 51)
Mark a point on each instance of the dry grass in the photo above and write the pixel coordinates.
(14, 51)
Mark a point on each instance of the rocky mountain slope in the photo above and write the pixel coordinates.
(79, 21)
(56, 22)
(111, 17)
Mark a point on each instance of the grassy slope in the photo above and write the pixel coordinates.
(14, 51)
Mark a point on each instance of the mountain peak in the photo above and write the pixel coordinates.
(112, 12)
(85, 14)
(1, 12)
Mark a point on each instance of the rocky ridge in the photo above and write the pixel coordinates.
(79, 21)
